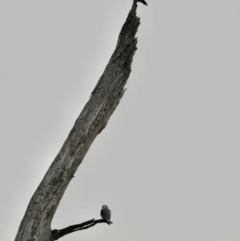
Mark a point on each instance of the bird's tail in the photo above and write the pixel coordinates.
(108, 221)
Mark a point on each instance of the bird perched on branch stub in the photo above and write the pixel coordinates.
(106, 214)
(142, 1)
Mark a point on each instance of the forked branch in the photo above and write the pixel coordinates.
(77, 227)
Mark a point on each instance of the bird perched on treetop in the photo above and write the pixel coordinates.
(142, 1)
(106, 214)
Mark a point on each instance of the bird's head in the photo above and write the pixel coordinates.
(104, 206)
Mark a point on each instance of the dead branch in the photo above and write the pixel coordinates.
(36, 223)
(77, 227)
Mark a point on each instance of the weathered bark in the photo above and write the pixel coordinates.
(36, 223)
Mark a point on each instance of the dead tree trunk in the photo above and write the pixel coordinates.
(36, 223)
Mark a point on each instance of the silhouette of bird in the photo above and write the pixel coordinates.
(106, 214)
(143, 2)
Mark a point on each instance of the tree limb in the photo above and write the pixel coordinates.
(36, 223)
(77, 227)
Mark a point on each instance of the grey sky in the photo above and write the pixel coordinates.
(167, 164)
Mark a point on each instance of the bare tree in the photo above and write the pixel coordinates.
(36, 223)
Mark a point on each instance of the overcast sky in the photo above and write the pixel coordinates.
(168, 162)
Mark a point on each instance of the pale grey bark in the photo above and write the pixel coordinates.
(36, 223)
